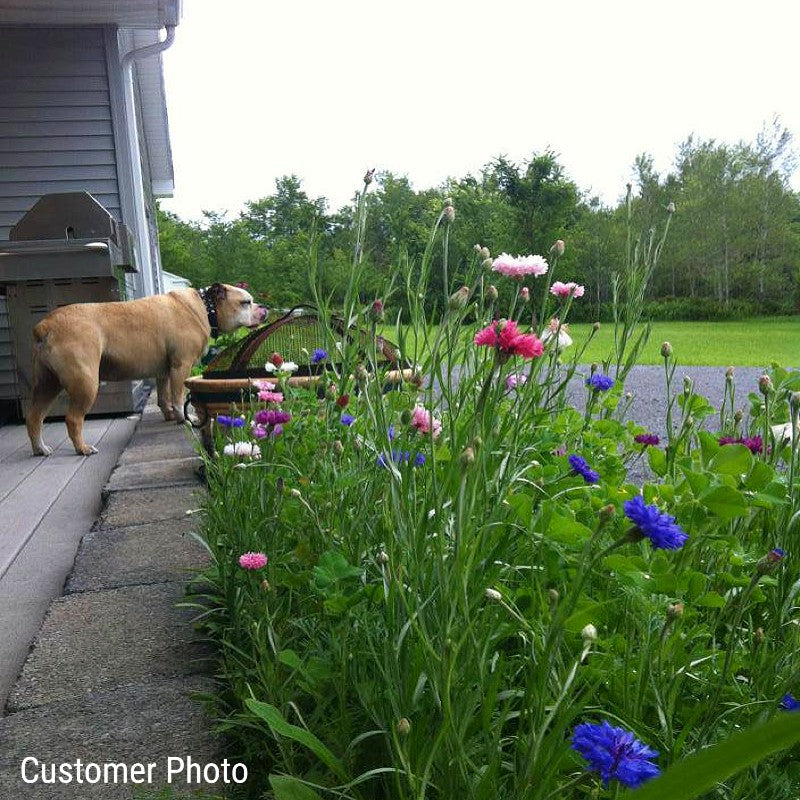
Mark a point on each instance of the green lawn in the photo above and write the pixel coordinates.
(747, 343)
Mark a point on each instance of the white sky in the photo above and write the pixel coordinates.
(325, 89)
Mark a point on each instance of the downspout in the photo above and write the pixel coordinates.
(150, 49)
(151, 281)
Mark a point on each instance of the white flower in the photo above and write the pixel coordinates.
(286, 366)
(242, 450)
(564, 339)
(492, 594)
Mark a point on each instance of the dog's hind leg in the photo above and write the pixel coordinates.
(45, 390)
(82, 393)
(164, 400)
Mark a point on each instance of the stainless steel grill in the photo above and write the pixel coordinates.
(67, 249)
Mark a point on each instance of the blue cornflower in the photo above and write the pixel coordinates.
(615, 753)
(399, 457)
(660, 528)
(788, 703)
(230, 422)
(580, 467)
(318, 355)
(347, 419)
(391, 432)
(419, 460)
(599, 382)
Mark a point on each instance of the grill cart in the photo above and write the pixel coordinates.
(67, 249)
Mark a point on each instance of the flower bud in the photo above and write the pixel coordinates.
(477, 248)
(670, 207)
(276, 359)
(361, 374)
(368, 176)
(595, 326)
(405, 416)
(467, 457)
(485, 253)
(338, 447)
(382, 557)
(552, 596)
(589, 633)
(404, 727)
(675, 610)
(525, 294)
(477, 443)
(458, 299)
(491, 293)
(769, 563)
(758, 635)
(449, 212)
(729, 374)
(492, 594)
(687, 384)
(558, 247)
(593, 367)
(342, 400)
(487, 263)
(295, 493)
(794, 401)
(666, 350)
(606, 512)
(376, 311)
(765, 384)
(737, 417)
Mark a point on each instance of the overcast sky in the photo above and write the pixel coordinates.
(433, 88)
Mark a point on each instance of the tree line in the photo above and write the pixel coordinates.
(733, 248)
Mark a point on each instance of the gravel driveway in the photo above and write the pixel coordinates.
(648, 387)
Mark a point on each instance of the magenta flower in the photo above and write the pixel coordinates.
(646, 439)
(252, 561)
(273, 417)
(517, 267)
(506, 337)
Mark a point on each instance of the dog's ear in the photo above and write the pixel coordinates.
(217, 291)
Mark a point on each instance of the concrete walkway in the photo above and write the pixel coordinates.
(112, 671)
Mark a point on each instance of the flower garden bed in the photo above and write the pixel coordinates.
(452, 589)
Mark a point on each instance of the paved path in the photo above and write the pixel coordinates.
(112, 672)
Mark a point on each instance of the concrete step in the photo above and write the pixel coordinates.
(156, 552)
(93, 641)
(140, 506)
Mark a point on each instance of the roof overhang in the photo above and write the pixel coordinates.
(153, 14)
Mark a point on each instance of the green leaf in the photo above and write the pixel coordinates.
(732, 459)
(692, 776)
(280, 727)
(761, 474)
(725, 502)
(332, 569)
(711, 600)
(698, 481)
(567, 531)
(286, 787)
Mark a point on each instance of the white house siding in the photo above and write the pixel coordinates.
(56, 130)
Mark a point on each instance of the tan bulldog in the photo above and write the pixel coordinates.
(163, 336)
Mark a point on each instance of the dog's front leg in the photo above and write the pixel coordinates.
(178, 373)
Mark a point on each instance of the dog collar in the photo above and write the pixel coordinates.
(211, 310)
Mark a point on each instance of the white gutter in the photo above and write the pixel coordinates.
(150, 49)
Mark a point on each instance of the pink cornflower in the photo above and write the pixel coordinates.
(270, 397)
(516, 267)
(424, 421)
(506, 337)
(560, 289)
(265, 386)
(252, 561)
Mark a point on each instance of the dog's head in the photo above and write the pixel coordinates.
(236, 307)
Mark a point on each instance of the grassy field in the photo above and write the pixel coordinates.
(747, 343)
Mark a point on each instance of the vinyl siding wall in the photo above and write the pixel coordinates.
(56, 131)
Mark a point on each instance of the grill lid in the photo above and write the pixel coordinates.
(65, 216)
